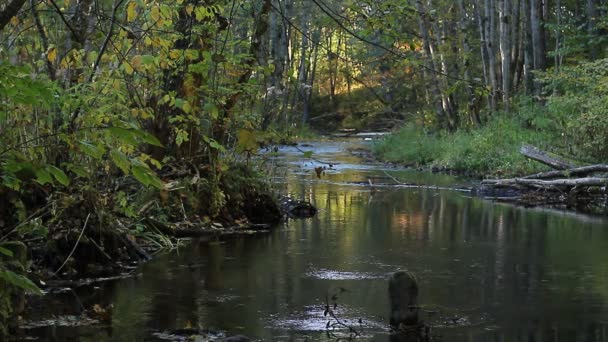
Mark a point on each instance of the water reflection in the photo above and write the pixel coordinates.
(514, 274)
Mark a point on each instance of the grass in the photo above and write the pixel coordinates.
(492, 150)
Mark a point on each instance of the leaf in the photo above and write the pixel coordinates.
(6, 252)
(51, 54)
(91, 150)
(308, 154)
(148, 138)
(136, 62)
(125, 135)
(155, 13)
(145, 175)
(19, 281)
(246, 141)
(214, 144)
(78, 170)
(43, 176)
(131, 13)
(121, 160)
(59, 175)
(147, 59)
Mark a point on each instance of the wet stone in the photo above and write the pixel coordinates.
(403, 295)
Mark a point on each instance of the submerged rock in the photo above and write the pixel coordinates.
(403, 295)
(296, 209)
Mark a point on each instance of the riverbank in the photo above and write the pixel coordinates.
(55, 237)
(489, 151)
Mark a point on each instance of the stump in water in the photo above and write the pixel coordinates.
(403, 295)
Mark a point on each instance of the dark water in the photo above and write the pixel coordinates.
(492, 272)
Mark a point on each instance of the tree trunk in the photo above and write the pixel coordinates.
(538, 34)
(592, 17)
(466, 53)
(482, 46)
(302, 68)
(504, 8)
(528, 65)
(429, 74)
(489, 43)
(543, 157)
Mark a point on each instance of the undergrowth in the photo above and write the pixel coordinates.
(492, 150)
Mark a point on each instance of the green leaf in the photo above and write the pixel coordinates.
(148, 138)
(43, 176)
(214, 144)
(147, 59)
(125, 135)
(78, 170)
(308, 154)
(6, 252)
(145, 175)
(59, 175)
(121, 160)
(19, 281)
(95, 151)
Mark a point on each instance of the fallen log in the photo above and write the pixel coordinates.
(566, 182)
(535, 153)
(578, 171)
(204, 232)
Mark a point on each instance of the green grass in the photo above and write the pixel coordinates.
(492, 150)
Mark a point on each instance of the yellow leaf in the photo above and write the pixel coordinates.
(128, 68)
(136, 62)
(174, 54)
(51, 54)
(131, 13)
(155, 13)
(189, 9)
(15, 21)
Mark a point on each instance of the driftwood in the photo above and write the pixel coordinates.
(539, 183)
(205, 232)
(583, 188)
(579, 171)
(535, 153)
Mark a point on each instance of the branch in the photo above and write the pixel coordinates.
(104, 46)
(65, 21)
(10, 11)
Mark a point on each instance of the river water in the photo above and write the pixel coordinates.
(488, 272)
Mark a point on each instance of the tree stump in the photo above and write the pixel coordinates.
(403, 295)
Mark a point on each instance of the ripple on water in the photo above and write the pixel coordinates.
(342, 275)
(313, 319)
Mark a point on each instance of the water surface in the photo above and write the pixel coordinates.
(489, 272)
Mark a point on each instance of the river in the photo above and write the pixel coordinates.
(488, 272)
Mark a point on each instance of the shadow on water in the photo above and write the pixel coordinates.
(487, 272)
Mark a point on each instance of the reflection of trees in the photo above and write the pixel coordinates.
(526, 270)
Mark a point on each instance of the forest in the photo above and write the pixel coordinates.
(142, 119)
